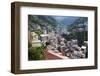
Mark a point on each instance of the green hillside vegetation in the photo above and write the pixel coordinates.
(75, 34)
(42, 21)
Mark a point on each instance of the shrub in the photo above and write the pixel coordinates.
(36, 53)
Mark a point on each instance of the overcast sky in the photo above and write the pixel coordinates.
(59, 18)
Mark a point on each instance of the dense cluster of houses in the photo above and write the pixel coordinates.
(68, 48)
(56, 43)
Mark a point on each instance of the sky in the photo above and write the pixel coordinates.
(60, 18)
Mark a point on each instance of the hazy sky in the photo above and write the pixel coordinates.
(59, 18)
